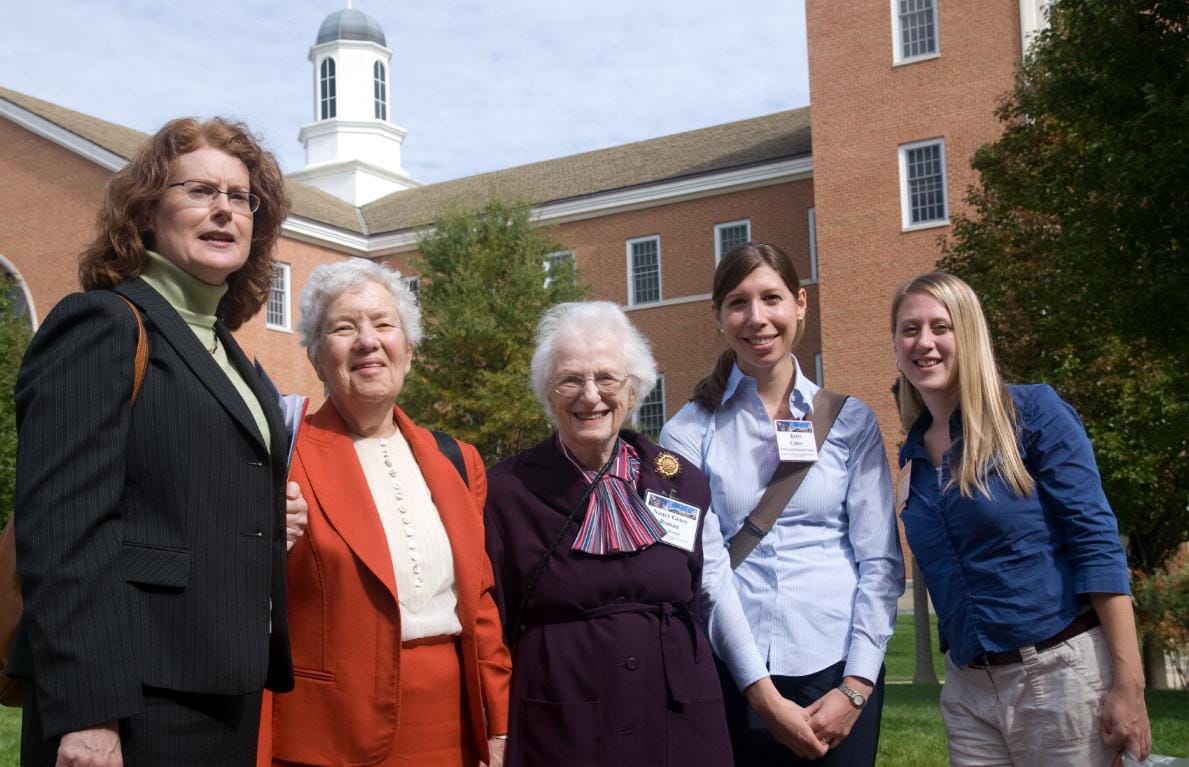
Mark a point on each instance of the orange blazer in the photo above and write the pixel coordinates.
(344, 619)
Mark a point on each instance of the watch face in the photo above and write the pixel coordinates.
(859, 700)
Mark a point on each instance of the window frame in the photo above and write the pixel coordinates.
(413, 283)
(631, 273)
(811, 224)
(659, 392)
(327, 89)
(285, 272)
(898, 56)
(556, 257)
(906, 222)
(379, 90)
(718, 230)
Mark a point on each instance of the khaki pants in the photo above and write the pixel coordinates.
(1043, 712)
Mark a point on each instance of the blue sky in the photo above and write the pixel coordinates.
(478, 85)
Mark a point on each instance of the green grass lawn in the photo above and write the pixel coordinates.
(911, 734)
(900, 659)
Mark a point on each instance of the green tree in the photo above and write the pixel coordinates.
(484, 287)
(1076, 245)
(14, 337)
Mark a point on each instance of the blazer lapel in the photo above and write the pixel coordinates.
(341, 490)
(266, 394)
(173, 329)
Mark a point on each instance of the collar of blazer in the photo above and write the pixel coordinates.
(339, 488)
(170, 326)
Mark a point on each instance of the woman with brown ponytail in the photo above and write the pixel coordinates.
(802, 623)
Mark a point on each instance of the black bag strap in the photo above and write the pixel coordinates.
(784, 483)
(514, 628)
(448, 446)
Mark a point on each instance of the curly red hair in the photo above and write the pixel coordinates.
(118, 250)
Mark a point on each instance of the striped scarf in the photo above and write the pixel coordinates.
(616, 519)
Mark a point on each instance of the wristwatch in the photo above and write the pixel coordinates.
(857, 699)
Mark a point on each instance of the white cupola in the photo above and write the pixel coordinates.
(352, 150)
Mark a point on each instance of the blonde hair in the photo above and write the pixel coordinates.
(989, 419)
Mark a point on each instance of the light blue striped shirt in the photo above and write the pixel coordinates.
(822, 586)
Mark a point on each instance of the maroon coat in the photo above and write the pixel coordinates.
(613, 666)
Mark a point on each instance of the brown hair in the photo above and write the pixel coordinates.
(118, 250)
(739, 262)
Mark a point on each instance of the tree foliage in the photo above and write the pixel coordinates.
(1076, 245)
(14, 337)
(484, 288)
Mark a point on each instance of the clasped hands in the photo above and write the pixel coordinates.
(807, 732)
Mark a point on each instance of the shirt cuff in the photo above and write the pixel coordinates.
(864, 660)
(1105, 578)
(747, 670)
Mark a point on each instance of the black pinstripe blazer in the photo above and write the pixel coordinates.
(150, 538)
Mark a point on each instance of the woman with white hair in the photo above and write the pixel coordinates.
(594, 535)
(397, 647)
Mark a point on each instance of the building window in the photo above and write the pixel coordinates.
(915, 27)
(651, 415)
(380, 90)
(326, 94)
(1034, 19)
(557, 263)
(644, 270)
(728, 235)
(413, 283)
(812, 246)
(276, 311)
(922, 183)
(14, 294)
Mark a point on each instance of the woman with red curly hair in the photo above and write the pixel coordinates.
(151, 524)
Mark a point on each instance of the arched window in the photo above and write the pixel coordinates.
(14, 294)
(380, 90)
(326, 95)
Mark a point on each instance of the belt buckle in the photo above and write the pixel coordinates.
(980, 661)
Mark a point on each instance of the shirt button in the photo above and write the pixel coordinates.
(631, 664)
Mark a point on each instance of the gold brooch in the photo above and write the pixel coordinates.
(667, 465)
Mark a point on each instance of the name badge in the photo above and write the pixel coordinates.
(794, 440)
(678, 518)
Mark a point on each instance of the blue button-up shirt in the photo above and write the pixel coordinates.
(822, 585)
(1008, 571)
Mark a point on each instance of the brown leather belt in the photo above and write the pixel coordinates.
(1079, 625)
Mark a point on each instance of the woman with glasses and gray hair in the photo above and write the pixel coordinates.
(397, 647)
(594, 535)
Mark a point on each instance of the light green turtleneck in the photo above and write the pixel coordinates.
(197, 303)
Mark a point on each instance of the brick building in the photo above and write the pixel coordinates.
(901, 100)
(902, 93)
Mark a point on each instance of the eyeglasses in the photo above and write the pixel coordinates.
(201, 193)
(606, 383)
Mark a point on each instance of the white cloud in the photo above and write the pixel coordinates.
(479, 86)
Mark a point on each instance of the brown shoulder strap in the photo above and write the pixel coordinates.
(141, 362)
(786, 480)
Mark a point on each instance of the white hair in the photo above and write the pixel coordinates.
(329, 281)
(590, 319)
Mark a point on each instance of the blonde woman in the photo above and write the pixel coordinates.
(1019, 548)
